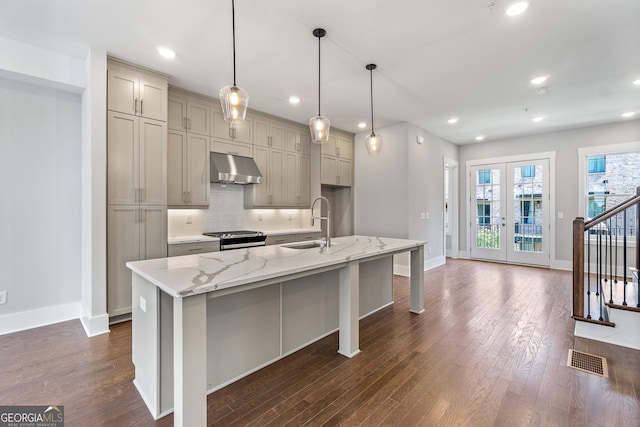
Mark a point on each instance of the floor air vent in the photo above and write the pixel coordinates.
(588, 363)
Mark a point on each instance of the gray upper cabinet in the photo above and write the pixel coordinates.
(189, 113)
(268, 133)
(337, 160)
(241, 132)
(136, 92)
(136, 160)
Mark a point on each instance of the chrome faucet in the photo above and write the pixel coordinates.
(327, 218)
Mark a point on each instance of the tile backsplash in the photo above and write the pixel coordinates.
(226, 212)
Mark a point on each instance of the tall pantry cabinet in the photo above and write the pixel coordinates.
(136, 175)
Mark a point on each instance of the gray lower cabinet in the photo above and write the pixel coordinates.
(134, 233)
(280, 239)
(190, 248)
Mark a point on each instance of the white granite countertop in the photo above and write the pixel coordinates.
(194, 274)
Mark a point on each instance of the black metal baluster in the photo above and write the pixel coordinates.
(610, 264)
(624, 254)
(588, 276)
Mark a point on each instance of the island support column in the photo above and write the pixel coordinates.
(190, 361)
(417, 280)
(349, 323)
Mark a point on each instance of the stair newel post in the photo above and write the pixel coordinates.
(578, 267)
(637, 231)
(637, 246)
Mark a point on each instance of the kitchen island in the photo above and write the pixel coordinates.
(203, 321)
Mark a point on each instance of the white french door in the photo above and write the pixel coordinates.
(510, 212)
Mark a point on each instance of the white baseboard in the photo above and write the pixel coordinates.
(95, 325)
(23, 320)
(405, 270)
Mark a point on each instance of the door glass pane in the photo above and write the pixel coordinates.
(527, 208)
(488, 216)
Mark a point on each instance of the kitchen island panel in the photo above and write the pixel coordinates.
(309, 310)
(243, 334)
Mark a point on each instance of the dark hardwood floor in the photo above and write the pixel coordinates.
(491, 349)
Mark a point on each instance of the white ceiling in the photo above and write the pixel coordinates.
(436, 59)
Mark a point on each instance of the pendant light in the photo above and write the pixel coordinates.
(319, 125)
(373, 141)
(234, 99)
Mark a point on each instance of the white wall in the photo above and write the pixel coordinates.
(40, 215)
(404, 180)
(565, 144)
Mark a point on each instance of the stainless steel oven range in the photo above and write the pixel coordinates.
(239, 239)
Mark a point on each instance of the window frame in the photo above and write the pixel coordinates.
(583, 177)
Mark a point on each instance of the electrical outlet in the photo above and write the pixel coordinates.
(3, 297)
(423, 215)
(427, 215)
(143, 304)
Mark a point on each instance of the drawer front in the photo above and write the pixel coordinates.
(292, 238)
(193, 248)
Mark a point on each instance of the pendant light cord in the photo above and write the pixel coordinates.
(371, 71)
(233, 27)
(319, 75)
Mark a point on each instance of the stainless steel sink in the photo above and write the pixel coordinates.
(305, 245)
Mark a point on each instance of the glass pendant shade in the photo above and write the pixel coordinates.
(373, 143)
(319, 127)
(234, 101)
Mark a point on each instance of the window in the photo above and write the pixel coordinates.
(610, 176)
(528, 171)
(597, 164)
(484, 176)
(484, 213)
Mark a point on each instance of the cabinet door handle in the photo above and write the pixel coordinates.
(338, 151)
(195, 249)
(189, 197)
(184, 197)
(270, 199)
(232, 152)
(189, 121)
(270, 143)
(337, 179)
(184, 123)
(135, 106)
(141, 107)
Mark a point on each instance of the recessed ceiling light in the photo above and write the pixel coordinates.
(294, 99)
(539, 80)
(362, 125)
(637, 82)
(517, 7)
(452, 120)
(628, 114)
(165, 52)
(480, 137)
(538, 119)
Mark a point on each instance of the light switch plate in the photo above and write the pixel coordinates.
(3, 297)
(143, 304)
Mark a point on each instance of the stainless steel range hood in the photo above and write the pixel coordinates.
(233, 169)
